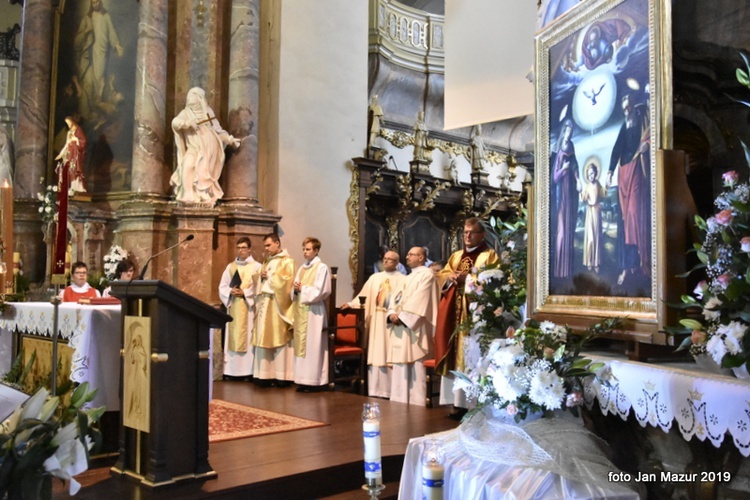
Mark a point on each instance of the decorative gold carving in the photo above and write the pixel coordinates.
(136, 377)
(376, 178)
(449, 147)
(398, 138)
(353, 215)
(430, 194)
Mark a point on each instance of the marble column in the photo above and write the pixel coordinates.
(150, 98)
(240, 177)
(34, 102)
(31, 133)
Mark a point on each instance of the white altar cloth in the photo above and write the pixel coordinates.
(704, 405)
(467, 476)
(92, 331)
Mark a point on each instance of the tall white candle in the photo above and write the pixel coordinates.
(371, 438)
(433, 470)
(433, 475)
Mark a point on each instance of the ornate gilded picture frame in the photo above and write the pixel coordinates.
(603, 112)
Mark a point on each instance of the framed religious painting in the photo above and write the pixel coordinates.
(603, 114)
(94, 85)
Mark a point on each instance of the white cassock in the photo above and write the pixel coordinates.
(412, 341)
(378, 291)
(310, 324)
(238, 350)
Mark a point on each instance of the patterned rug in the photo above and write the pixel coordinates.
(235, 421)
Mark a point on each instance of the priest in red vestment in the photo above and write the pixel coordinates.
(79, 287)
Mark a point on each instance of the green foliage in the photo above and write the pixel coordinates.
(497, 291)
(44, 438)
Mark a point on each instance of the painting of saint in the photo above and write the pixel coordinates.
(95, 82)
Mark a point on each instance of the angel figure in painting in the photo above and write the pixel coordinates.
(200, 142)
(71, 159)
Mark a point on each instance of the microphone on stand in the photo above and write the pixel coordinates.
(145, 266)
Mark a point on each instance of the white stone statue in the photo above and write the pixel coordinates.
(478, 153)
(376, 115)
(420, 139)
(200, 142)
(6, 156)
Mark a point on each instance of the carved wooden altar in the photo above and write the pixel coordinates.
(405, 209)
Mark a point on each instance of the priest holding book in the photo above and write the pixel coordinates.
(237, 293)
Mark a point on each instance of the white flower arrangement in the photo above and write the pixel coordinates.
(115, 255)
(48, 208)
(530, 371)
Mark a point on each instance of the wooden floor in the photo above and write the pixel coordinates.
(323, 462)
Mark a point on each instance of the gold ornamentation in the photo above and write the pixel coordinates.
(430, 194)
(650, 386)
(397, 138)
(696, 395)
(353, 216)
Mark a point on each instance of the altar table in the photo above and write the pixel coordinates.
(93, 332)
(513, 464)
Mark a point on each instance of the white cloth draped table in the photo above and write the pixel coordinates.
(93, 332)
(487, 459)
(704, 405)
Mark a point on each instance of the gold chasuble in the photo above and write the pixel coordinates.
(454, 306)
(274, 301)
(302, 311)
(238, 310)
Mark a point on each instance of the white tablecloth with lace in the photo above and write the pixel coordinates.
(703, 405)
(486, 458)
(92, 331)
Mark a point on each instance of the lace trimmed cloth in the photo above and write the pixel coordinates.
(493, 458)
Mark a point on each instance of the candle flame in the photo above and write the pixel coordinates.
(6, 183)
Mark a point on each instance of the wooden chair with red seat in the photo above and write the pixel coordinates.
(346, 342)
(432, 380)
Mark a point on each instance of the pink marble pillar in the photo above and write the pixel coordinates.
(240, 177)
(34, 102)
(150, 98)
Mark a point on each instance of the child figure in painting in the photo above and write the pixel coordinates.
(591, 195)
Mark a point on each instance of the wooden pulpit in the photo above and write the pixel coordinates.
(165, 380)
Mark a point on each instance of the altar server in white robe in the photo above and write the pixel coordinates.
(237, 293)
(312, 286)
(378, 293)
(412, 316)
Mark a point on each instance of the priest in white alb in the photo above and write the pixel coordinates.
(378, 293)
(311, 288)
(412, 316)
(237, 293)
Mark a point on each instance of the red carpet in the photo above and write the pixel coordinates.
(235, 421)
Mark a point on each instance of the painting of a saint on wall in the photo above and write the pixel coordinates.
(95, 80)
(600, 157)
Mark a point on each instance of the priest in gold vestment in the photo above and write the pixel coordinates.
(237, 293)
(274, 358)
(454, 306)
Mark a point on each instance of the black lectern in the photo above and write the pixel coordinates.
(165, 380)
